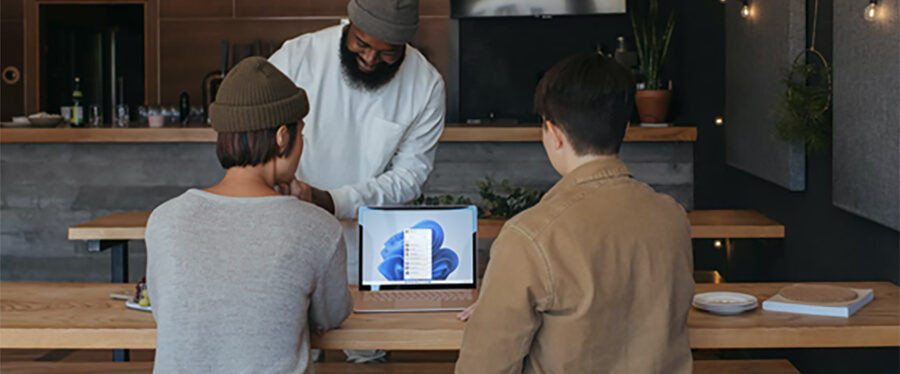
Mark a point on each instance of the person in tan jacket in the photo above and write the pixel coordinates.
(597, 277)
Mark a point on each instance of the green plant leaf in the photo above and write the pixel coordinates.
(804, 113)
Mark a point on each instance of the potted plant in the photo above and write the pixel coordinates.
(652, 42)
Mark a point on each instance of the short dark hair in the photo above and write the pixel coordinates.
(590, 97)
(252, 148)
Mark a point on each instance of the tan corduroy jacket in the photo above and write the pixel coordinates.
(597, 278)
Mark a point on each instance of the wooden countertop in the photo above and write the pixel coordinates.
(705, 224)
(82, 316)
(207, 135)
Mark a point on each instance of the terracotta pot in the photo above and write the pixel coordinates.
(653, 105)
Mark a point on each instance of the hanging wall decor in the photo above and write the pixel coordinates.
(804, 113)
(762, 39)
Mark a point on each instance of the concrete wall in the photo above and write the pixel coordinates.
(46, 188)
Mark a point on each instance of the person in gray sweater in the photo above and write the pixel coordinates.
(239, 274)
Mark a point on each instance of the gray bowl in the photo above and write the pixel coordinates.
(45, 122)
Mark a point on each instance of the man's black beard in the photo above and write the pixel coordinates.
(369, 81)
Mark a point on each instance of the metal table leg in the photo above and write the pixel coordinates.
(119, 262)
(119, 274)
(118, 257)
(121, 355)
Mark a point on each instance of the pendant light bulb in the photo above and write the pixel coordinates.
(745, 10)
(871, 11)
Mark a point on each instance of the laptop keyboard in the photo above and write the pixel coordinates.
(388, 296)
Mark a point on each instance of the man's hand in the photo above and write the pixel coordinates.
(464, 315)
(307, 193)
(297, 189)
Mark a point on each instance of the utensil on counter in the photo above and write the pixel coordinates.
(251, 50)
(184, 102)
(123, 116)
(236, 55)
(212, 81)
(95, 116)
(125, 296)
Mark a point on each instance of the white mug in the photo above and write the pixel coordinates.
(156, 121)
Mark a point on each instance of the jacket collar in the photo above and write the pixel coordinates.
(606, 168)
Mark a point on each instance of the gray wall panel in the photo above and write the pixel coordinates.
(758, 51)
(46, 188)
(866, 166)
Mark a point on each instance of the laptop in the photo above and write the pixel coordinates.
(417, 259)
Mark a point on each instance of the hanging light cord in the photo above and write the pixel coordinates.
(812, 46)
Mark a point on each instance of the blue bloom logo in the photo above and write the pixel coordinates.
(443, 260)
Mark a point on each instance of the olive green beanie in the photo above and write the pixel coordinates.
(255, 95)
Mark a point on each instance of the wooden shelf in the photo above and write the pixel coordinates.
(708, 276)
(207, 135)
(705, 224)
(733, 224)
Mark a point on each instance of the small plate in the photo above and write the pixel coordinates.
(131, 304)
(15, 124)
(725, 303)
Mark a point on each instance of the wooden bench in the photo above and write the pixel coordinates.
(700, 367)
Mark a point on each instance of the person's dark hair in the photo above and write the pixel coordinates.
(590, 97)
(252, 148)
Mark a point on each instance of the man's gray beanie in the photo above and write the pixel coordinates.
(391, 21)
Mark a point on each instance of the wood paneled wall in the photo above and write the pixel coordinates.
(12, 28)
(191, 33)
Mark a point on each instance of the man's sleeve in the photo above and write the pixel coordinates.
(283, 58)
(409, 167)
(517, 289)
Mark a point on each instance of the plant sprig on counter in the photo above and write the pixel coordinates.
(443, 200)
(498, 200)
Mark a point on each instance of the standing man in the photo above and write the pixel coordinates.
(376, 115)
(376, 112)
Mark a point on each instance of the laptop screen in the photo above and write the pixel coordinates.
(417, 247)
